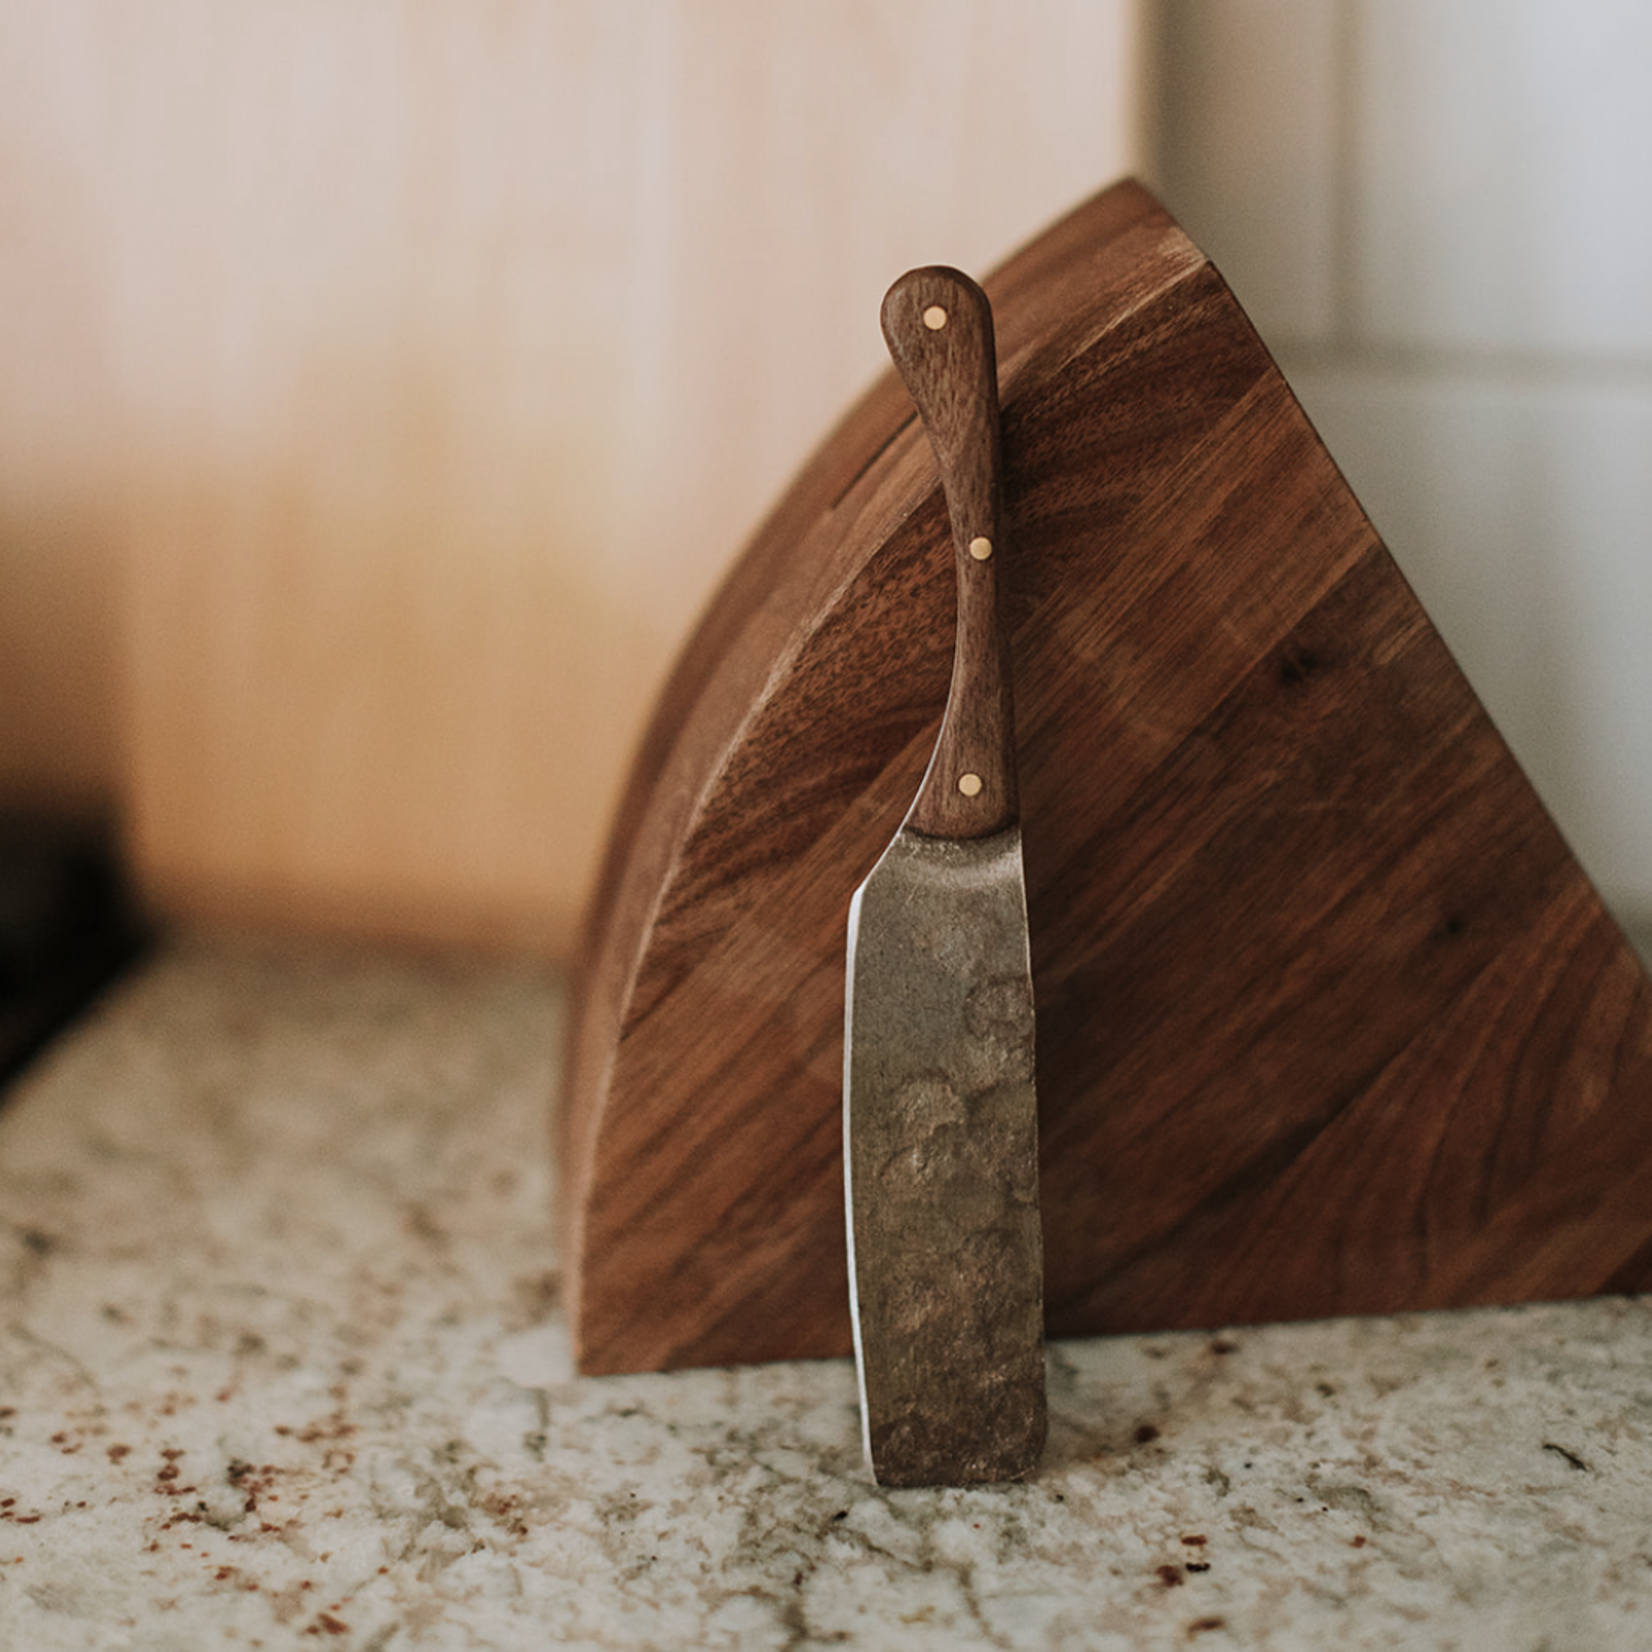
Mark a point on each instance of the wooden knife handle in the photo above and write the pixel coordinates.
(938, 325)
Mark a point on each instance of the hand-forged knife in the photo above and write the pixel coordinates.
(939, 1109)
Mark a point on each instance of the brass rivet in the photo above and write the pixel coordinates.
(934, 318)
(980, 548)
(969, 784)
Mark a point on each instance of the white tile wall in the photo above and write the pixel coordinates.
(1502, 161)
(1459, 286)
(1246, 123)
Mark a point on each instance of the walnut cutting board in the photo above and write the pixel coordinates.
(1330, 1020)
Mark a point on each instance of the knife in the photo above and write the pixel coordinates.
(939, 1107)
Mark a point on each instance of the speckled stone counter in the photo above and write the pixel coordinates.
(281, 1365)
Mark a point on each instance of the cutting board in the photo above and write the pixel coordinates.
(1330, 1019)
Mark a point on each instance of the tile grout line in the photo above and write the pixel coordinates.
(1431, 361)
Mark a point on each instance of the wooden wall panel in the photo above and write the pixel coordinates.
(58, 504)
(444, 355)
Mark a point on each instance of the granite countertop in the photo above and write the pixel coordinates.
(282, 1365)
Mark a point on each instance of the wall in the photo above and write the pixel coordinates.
(1437, 213)
(382, 388)
(385, 385)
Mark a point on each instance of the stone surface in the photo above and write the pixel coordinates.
(281, 1365)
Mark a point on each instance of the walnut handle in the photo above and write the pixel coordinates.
(938, 325)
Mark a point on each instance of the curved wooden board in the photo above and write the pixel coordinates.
(1330, 1021)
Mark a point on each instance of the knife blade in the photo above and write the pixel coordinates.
(939, 1105)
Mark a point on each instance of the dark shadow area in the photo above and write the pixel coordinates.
(68, 928)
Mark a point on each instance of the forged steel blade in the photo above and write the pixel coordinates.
(940, 1109)
(945, 1252)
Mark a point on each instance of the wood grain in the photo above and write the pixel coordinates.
(938, 324)
(1330, 1020)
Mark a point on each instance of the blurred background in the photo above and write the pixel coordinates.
(385, 385)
